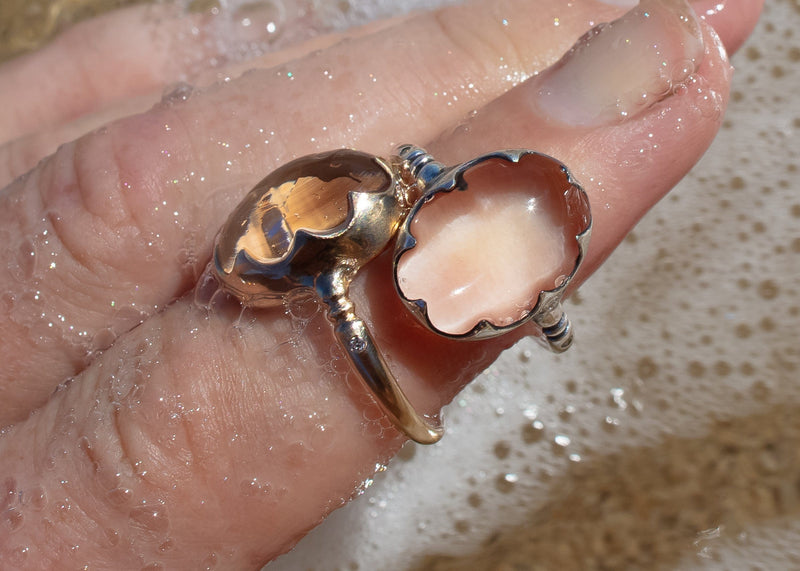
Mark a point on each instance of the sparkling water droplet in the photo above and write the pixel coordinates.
(177, 93)
(562, 440)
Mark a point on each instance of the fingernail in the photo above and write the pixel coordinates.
(619, 69)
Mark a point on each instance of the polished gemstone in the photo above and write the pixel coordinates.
(310, 194)
(486, 250)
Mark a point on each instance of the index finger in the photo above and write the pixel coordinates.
(118, 224)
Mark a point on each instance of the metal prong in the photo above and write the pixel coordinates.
(422, 165)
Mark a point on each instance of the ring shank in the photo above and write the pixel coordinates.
(353, 335)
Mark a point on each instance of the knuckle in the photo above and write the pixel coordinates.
(80, 199)
(105, 198)
(480, 41)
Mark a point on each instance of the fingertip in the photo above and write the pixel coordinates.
(733, 20)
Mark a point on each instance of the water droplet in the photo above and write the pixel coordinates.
(504, 483)
(254, 487)
(301, 305)
(25, 266)
(618, 398)
(206, 288)
(177, 93)
(9, 490)
(38, 498)
(566, 412)
(112, 536)
(151, 520)
(12, 519)
(63, 507)
(532, 432)
(120, 496)
(502, 450)
(562, 440)
(103, 339)
(474, 500)
(18, 555)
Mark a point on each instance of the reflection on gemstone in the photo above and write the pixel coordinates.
(310, 194)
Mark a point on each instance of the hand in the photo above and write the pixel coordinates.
(198, 435)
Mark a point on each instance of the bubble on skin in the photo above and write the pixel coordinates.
(12, 519)
(37, 498)
(177, 93)
(253, 487)
(149, 520)
(707, 102)
(206, 290)
(25, 267)
(103, 339)
(18, 555)
(120, 496)
(63, 507)
(301, 306)
(112, 537)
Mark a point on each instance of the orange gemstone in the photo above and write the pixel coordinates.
(310, 193)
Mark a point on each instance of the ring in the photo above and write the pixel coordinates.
(482, 248)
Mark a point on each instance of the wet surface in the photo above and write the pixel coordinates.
(667, 437)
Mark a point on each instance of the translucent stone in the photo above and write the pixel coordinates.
(308, 194)
(485, 252)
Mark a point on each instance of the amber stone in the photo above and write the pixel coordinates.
(309, 194)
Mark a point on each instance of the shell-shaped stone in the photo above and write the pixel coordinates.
(490, 240)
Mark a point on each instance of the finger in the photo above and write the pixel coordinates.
(19, 155)
(95, 108)
(733, 20)
(118, 224)
(191, 440)
(131, 53)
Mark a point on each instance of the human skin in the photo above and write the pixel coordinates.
(201, 434)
